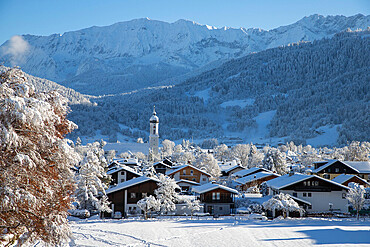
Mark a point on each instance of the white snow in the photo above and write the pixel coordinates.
(204, 94)
(242, 103)
(328, 136)
(225, 231)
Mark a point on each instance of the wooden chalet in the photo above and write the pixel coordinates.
(189, 172)
(122, 173)
(254, 179)
(217, 199)
(345, 179)
(124, 196)
(333, 168)
(229, 168)
(186, 185)
(250, 171)
(324, 195)
(161, 167)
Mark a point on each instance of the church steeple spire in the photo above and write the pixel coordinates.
(154, 133)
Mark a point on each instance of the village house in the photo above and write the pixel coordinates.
(247, 172)
(323, 194)
(333, 168)
(345, 179)
(124, 196)
(254, 179)
(229, 168)
(162, 167)
(217, 199)
(190, 173)
(186, 185)
(122, 173)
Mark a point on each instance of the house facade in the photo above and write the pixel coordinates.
(216, 199)
(254, 179)
(121, 174)
(333, 168)
(190, 173)
(124, 196)
(323, 194)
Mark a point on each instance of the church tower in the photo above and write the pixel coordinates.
(154, 133)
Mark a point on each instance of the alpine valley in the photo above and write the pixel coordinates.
(307, 82)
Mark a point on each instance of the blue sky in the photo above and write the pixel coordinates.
(45, 17)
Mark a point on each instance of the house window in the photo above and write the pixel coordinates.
(216, 196)
(309, 207)
(129, 208)
(143, 195)
(344, 195)
(122, 180)
(122, 173)
(316, 183)
(309, 194)
(220, 208)
(184, 172)
(191, 172)
(204, 179)
(304, 194)
(133, 195)
(336, 169)
(295, 194)
(308, 183)
(327, 176)
(304, 183)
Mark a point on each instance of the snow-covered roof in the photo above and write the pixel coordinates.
(244, 173)
(154, 118)
(130, 183)
(227, 166)
(211, 186)
(301, 200)
(126, 147)
(180, 167)
(361, 166)
(287, 180)
(342, 178)
(163, 164)
(255, 176)
(121, 167)
(187, 181)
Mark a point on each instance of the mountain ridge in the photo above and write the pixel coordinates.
(139, 53)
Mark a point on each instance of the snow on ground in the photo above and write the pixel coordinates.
(225, 231)
(328, 136)
(241, 102)
(204, 94)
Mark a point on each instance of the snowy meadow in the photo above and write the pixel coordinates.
(224, 231)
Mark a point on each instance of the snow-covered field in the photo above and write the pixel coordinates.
(226, 231)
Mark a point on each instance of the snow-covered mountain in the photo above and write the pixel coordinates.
(143, 52)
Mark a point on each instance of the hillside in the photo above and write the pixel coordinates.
(296, 92)
(141, 53)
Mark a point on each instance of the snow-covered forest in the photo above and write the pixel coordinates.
(308, 85)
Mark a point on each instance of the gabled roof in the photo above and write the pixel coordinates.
(244, 173)
(187, 181)
(163, 164)
(342, 178)
(361, 166)
(120, 167)
(255, 176)
(330, 162)
(130, 183)
(211, 186)
(179, 168)
(287, 180)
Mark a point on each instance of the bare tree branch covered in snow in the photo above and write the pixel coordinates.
(36, 182)
(282, 202)
(149, 204)
(356, 197)
(166, 193)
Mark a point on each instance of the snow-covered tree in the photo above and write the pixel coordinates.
(221, 152)
(193, 206)
(241, 152)
(357, 151)
(356, 197)
(275, 161)
(92, 179)
(207, 162)
(148, 170)
(149, 204)
(167, 148)
(140, 156)
(166, 193)
(264, 189)
(36, 181)
(124, 155)
(254, 189)
(282, 202)
(139, 140)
